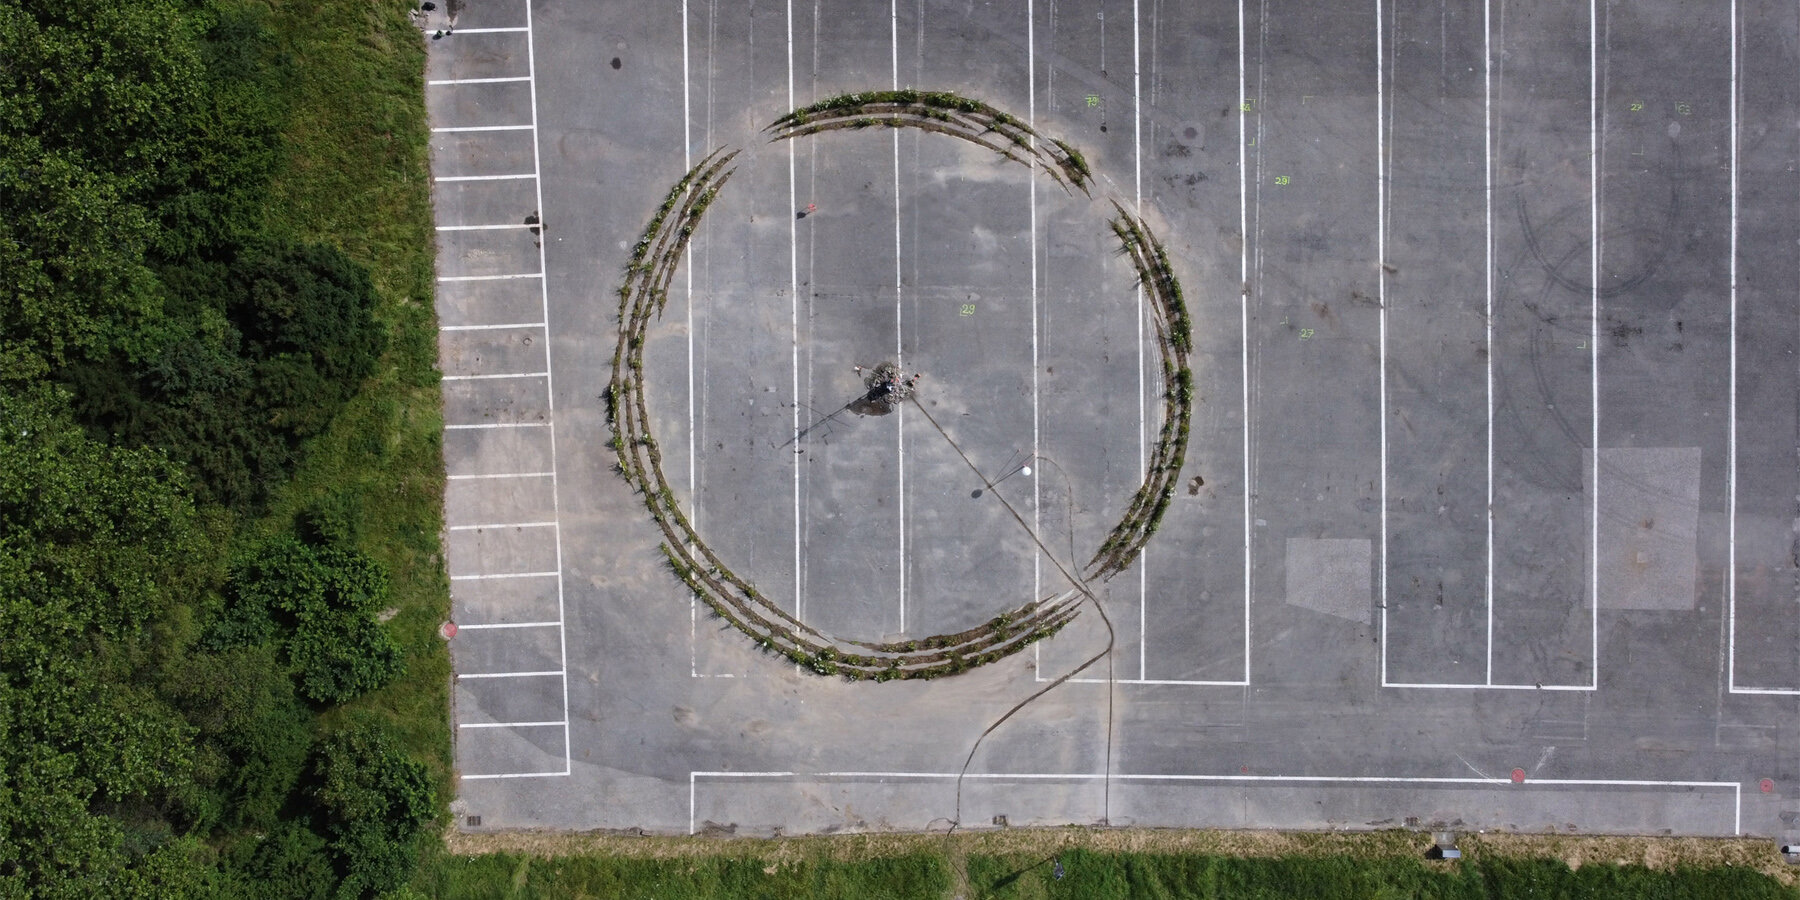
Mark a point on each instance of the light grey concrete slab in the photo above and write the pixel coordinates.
(510, 751)
(489, 401)
(491, 651)
(482, 501)
(497, 202)
(487, 701)
(501, 551)
(1330, 576)
(505, 601)
(486, 253)
(496, 351)
(489, 54)
(474, 154)
(1649, 517)
(482, 452)
(479, 105)
(489, 302)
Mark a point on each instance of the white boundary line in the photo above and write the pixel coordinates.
(449, 278)
(563, 724)
(1737, 789)
(1244, 323)
(1594, 324)
(485, 425)
(502, 525)
(1731, 415)
(1381, 303)
(436, 82)
(794, 316)
(507, 226)
(537, 166)
(498, 575)
(687, 165)
(1731, 441)
(492, 625)
(899, 333)
(511, 30)
(1037, 524)
(512, 775)
(500, 475)
(456, 128)
(501, 326)
(1487, 122)
(1137, 208)
(556, 673)
(448, 178)
(1488, 682)
(493, 376)
(1244, 340)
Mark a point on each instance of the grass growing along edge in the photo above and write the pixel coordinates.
(357, 174)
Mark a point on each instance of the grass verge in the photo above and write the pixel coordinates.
(357, 175)
(1018, 863)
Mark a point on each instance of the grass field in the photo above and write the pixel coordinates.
(358, 175)
(1104, 864)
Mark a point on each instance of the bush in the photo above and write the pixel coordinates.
(318, 600)
(374, 802)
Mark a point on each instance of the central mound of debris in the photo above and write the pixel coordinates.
(887, 389)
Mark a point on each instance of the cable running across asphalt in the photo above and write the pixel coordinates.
(1081, 587)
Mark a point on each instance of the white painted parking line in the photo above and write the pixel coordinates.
(498, 375)
(497, 425)
(1381, 306)
(444, 81)
(899, 333)
(520, 177)
(448, 278)
(558, 673)
(512, 30)
(457, 128)
(514, 775)
(491, 327)
(537, 166)
(503, 525)
(513, 725)
(1737, 789)
(462, 627)
(1730, 467)
(1487, 120)
(1594, 326)
(1244, 326)
(500, 227)
(505, 575)
(502, 475)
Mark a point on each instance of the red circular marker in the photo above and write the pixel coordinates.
(448, 630)
(1767, 785)
(1518, 776)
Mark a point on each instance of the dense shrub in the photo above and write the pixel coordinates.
(374, 802)
(318, 602)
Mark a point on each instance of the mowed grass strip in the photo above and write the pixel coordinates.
(357, 174)
(1105, 863)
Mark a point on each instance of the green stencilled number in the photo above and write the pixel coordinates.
(1248, 106)
(1283, 179)
(1093, 99)
(1684, 108)
(1637, 106)
(968, 309)
(1306, 334)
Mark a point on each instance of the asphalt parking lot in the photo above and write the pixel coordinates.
(1434, 256)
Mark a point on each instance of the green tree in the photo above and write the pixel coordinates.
(375, 802)
(91, 542)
